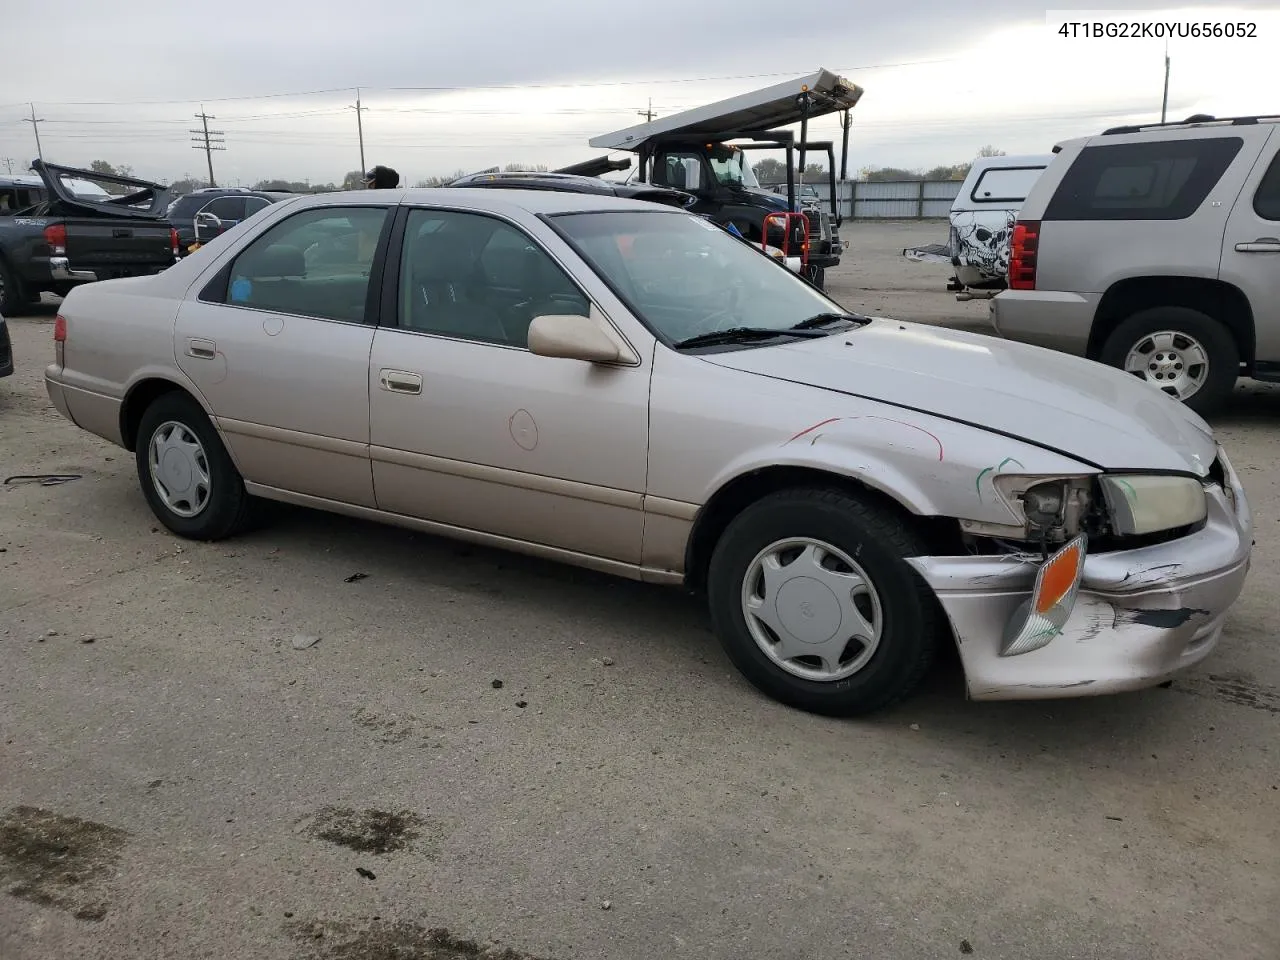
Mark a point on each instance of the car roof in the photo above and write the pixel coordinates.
(547, 202)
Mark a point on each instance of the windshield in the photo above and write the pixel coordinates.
(684, 276)
(731, 168)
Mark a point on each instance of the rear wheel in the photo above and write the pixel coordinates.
(12, 295)
(1187, 354)
(814, 602)
(185, 472)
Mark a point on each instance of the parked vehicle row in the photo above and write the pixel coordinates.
(622, 385)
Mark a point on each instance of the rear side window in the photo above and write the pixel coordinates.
(1266, 202)
(1165, 180)
(1005, 185)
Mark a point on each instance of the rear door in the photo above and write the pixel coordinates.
(278, 344)
(1251, 252)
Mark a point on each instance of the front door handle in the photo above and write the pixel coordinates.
(1261, 245)
(203, 349)
(400, 381)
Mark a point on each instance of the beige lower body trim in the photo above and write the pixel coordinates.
(573, 558)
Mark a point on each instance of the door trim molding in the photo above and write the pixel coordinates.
(557, 554)
(293, 438)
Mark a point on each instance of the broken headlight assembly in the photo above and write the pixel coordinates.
(1051, 510)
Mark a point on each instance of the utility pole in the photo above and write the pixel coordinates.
(35, 125)
(207, 140)
(360, 130)
(648, 114)
(1164, 104)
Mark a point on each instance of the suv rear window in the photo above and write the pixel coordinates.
(1163, 180)
(1266, 202)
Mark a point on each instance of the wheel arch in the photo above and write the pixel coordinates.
(1218, 299)
(140, 395)
(741, 491)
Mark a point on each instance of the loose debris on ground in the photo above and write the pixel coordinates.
(58, 861)
(390, 940)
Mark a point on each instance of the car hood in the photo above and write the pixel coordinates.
(1091, 412)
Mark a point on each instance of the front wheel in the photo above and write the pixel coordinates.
(1187, 354)
(814, 602)
(186, 474)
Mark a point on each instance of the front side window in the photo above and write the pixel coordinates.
(475, 277)
(1162, 180)
(669, 169)
(313, 264)
(684, 276)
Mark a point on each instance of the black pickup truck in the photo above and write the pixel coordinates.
(80, 233)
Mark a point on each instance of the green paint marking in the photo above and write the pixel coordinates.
(977, 484)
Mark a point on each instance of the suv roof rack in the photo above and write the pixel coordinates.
(1193, 120)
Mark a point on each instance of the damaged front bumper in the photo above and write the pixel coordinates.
(1140, 615)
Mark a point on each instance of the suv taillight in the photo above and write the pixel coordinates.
(1022, 255)
(56, 237)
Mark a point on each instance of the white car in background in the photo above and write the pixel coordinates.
(981, 224)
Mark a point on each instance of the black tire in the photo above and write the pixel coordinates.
(1219, 346)
(12, 296)
(227, 508)
(910, 614)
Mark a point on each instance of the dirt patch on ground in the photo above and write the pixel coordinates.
(369, 831)
(379, 939)
(58, 861)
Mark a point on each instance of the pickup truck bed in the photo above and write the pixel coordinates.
(70, 239)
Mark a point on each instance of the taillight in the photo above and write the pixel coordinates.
(1022, 255)
(59, 329)
(56, 236)
(173, 241)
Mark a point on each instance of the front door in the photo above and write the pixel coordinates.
(278, 344)
(1251, 253)
(470, 429)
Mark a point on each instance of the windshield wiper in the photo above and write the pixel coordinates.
(743, 335)
(823, 319)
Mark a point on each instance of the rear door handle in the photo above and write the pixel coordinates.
(400, 381)
(1261, 245)
(204, 349)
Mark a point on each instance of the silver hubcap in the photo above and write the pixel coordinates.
(1173, 361)
(179, 469)
(811, 609)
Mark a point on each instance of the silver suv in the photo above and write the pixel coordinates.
(1156, 249)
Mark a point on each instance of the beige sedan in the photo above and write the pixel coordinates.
(627, 387)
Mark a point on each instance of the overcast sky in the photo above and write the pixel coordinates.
(452, 87)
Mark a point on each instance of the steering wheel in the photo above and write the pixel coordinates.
(726, 316)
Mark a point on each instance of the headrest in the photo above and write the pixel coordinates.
(277, 260)
(442, 258)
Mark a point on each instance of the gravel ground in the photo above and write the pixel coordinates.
(486, 748)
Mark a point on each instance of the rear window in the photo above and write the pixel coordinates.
(1005, 184)
(1266, 202)
(1165, 180)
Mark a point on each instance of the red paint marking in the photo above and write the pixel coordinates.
(914, 427)
(822, 423)
(901, 423)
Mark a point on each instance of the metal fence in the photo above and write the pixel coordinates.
(892, 199)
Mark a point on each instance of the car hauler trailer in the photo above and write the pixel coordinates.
(692, 151)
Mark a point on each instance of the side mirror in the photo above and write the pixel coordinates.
(692, 176)
(575, 337)
(207, 222)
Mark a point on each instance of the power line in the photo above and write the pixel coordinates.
(463, 88)
(208, 141)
